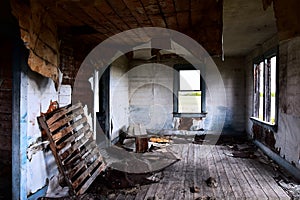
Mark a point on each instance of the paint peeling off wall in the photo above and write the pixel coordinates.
(39, 163)
(287, 137)
(39, 33)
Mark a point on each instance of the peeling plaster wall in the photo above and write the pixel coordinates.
(36, 93)
(119, 102)
(287, 138)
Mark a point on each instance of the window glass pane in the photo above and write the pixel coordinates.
(273, 89)
(261, 91)
(189, 102)
(189, 80)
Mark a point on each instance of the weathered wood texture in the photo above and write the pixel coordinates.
(237, 178)
(91, 22)
(39, 33)
(72, 144)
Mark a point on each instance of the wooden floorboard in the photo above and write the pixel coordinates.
(237, 178)
(243, 180)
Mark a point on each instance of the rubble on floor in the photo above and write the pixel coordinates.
(248, 150)
(211, 182)
(114, 183)
(291, 188)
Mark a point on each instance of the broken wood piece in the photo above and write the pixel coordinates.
(211, 182)
(194, 189)
(141, 144)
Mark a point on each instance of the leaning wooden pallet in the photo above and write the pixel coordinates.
(72, 144)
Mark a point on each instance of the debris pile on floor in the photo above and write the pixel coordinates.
(211, 182)
(248, 150)
(291, 188)
(242, 151)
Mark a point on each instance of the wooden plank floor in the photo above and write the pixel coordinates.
(237, 178)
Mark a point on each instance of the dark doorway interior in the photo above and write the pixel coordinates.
(103, 114)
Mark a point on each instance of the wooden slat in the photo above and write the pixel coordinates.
(238, 193)
(180, 184)
(218, 174)
(124, 13)
(59, 114)
(231, 174)
(74, 147)
(268, 177)
(86, 173)
(137, 10)
(153, 11)
(259, 193)
(270, 193)
(189, 172)
(169, 12)
(74, 136)
(79, 160)
(205, 155)
(244, 184)
(82, 164)
(107, 11)
(64, 132)
(91, 179)
(43, 124)
(53, 127)
(218, 193)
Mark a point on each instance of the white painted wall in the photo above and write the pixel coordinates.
(151, 96)
(38, 164)
(119, 102)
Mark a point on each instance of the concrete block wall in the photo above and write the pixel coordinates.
(232, 71)
(151, 93)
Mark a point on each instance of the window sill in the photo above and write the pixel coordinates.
(264, 124)
(175, 114)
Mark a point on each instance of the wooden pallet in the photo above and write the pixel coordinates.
(72, 144)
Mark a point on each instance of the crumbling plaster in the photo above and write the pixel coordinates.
(39, 34)
(38, 163)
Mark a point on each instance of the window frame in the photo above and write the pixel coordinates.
(268, 54)
(176, 85)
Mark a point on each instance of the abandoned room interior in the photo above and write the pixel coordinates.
(150, 99)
